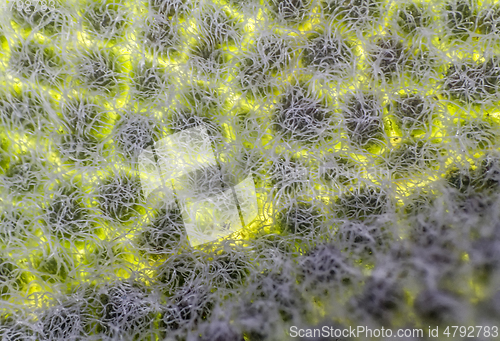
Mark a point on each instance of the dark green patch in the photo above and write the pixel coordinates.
(272, 53)
(207, 55)
(106, 19)
(388, 58)
(12, 330)
(489, 20)
(471, 81)
(179, 271)
(323, 264)
(125, 308)
(468, 198)
(159, 35)
(135, 132)
(203, 183)
(281, 290)
(99, 71)
(412, 111)
(148, 80)
(485, 177)
(35, 61)
(183, 119)
(4, 159)
(488, 172)
(290, 10)
(218, 26)
(363, 240)
(13, 225)
(363, 119)
(80, 147)
(300, 218)
(461, 180)
(412, 17)
(357, 12)
(53, 268)
(61, 323)
(410, 157)
(229, 269)
(84, 123)
(24, 110)
(288, 176)
(23, 174)
(328, 53)
(460, 18)
(168, 8)
(202, 98)
(252, 76)
(47, 16)
(83, 116)
(189, 306)
(164, 234)
(480, 134)
(66, 214)
(423, 64)
(11, 278)
(300, 117)
(361, 204)
(119, 197)
(338, 169)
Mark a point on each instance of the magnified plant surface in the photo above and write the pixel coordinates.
(332, 164)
